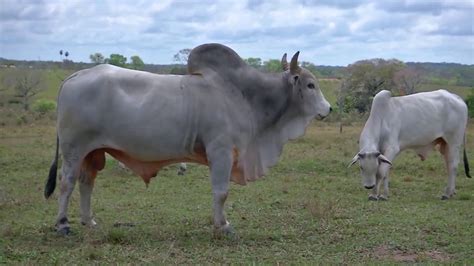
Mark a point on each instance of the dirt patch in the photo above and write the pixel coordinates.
(385, 252)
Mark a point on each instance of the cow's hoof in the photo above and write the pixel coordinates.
(444, 197)
(373, 198)
(225, 232)
(90, 224)
(65, 231)
(383, 198)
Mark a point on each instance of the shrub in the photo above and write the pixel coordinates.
(43, 106)
(470, 104)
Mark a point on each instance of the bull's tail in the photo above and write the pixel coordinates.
(53, 172)
(466, 163)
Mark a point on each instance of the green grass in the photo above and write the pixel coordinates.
(309, 209)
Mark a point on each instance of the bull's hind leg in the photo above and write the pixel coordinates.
(69, 174)
(92, 163)
(220, 160)
(451, 154)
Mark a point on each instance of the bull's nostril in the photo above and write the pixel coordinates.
(369, 187)
(330, 109)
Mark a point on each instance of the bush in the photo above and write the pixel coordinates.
(43, 106)
(470, 104)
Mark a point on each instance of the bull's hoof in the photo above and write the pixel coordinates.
(373, 198)
(90, 224)
(444, 197)
(225, 232)
(65, 231)
(383, 198)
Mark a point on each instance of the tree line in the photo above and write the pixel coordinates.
(359, 82)
(118, 60)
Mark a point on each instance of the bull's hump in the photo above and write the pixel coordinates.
(213, 56)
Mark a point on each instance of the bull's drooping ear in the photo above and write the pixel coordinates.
(354, 160)
(294, 68)
(284, 63)
(384, 159)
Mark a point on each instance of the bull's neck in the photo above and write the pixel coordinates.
(272, 96)
(371, 134)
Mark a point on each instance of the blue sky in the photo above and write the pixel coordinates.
(327, 32)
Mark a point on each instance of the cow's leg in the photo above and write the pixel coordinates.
(68, 180)
(221, 164)
(86, 185)
(375, 191)
(384, 171)
(452, 157)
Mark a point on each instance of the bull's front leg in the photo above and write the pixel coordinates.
(375, 191)
(385, 170)
(220, 160)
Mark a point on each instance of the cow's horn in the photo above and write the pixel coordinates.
(284, 63)
(294, 68)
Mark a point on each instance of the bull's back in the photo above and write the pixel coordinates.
(427, 116)
(136, 111)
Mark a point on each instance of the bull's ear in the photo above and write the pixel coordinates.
(284, 63)
(384, 159)
(294, 68)
(354, 160)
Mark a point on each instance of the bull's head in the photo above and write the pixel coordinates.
(369, 163)
(306, 88)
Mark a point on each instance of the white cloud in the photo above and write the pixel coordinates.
(326, 32)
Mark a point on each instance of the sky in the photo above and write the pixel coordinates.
(326, 32)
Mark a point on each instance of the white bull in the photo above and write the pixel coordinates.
(419, 121)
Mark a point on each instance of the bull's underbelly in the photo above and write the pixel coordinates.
(95, 161)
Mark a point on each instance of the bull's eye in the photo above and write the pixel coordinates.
(311, 86)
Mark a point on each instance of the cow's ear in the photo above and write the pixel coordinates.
(295, 79)
(354, 160)
(384, 159)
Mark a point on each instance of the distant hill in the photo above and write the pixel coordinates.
(445, 73)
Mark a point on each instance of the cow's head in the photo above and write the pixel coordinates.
(306, 89)
(369, 163)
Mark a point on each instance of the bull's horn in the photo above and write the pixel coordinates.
(384, 159)
(284, 63)
(354, 160)
(294, 68)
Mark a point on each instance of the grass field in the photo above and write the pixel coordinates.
(309, 209)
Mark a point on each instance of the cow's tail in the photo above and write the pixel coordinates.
(466, 163)
(53, 172)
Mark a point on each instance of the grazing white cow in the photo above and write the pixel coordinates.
(224, 114)
(419, 121)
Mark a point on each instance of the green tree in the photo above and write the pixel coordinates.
(254, 62)
(366, 78)
(117, 60)
(272, 65)
(182, 56)
(137, 62)
(97, 58)
(26, 83)
(470, 103)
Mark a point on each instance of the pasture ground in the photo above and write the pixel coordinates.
(309, 209)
